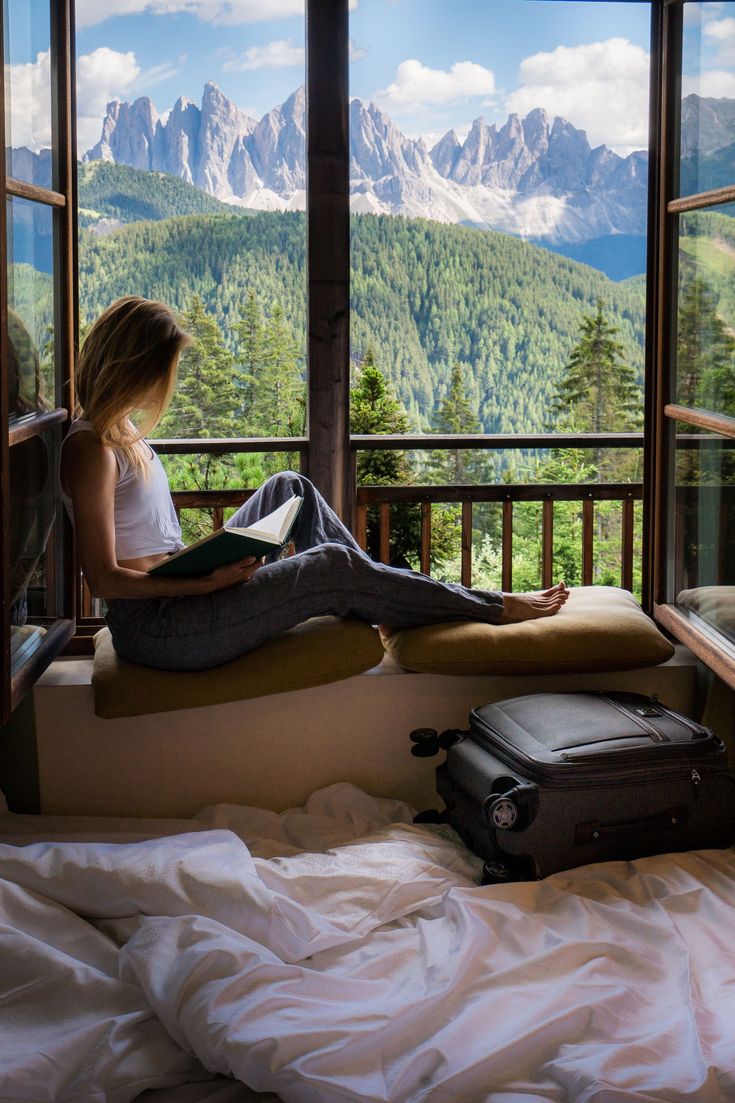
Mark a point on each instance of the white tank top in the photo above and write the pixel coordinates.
(145, 518)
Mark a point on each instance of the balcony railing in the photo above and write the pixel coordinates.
(588, 495)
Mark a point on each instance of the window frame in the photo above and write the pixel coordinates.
(703, 640)
(15, 685)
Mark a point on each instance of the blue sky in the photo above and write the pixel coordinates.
(431, 65)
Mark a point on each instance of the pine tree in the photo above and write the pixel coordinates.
(204, 405)
(705, 351)
(598, 391)
(205, 399)
(457, 415)
(250, 333)
(279, 405)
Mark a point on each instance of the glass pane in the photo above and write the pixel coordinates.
(35, 554)
(30, 307)
(28, 100)
(498, 171)
(708, 98)
(192, 191)
(704, 567)
(705, 357)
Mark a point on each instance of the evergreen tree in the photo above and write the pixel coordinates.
(375, 409)
(457, 415)
(279, 405)
(205, 399)
(203, 405)
(598, 390)
(705, 351)
(250, 333)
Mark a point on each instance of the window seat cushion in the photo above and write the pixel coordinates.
(600, 628)
(318, 651)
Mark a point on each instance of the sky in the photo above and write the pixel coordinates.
(431, 65)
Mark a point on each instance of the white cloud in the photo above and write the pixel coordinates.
(226, 12)
(601, 87)
(102, 76)
(721, 33)
(416, 85)
(279, 54)
(716, 85)
(29, 87)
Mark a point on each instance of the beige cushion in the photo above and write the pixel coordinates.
(318, 651)
(600, 628)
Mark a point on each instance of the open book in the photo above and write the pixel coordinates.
(227, 545)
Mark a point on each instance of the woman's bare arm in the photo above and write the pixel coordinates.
(89, 476)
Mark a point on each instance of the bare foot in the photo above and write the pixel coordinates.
(385, 631)
(541, 603)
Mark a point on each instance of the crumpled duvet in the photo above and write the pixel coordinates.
(370, 967)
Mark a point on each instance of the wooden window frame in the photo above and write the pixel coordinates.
(62, 199)
(667, 205)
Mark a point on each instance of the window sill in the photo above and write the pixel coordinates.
(704, 641)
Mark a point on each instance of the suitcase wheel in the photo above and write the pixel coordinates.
(498, 872)
(503, 813)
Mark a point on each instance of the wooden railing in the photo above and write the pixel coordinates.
(587, 494)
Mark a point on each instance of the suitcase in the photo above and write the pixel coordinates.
(549, 781)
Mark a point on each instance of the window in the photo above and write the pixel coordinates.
(694, 579)
(37, 307)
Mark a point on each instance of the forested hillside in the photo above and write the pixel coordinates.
(124, 194)
(425, 296)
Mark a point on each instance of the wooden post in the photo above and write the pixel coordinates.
(425, 545)
(466, 543)
(547, 543)
(328, 219)
(507, 559)
(384, 532)
(626, 573)
(588, 540)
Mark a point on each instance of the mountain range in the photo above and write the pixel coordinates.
(534, 177)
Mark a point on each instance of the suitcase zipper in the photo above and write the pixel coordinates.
(573, 770)
(629, 714)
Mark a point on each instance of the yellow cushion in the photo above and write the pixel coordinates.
(318, 651)
(600, 628)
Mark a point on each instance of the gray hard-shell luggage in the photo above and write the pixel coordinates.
(549, 781)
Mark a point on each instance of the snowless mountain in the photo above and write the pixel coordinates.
(534, 177)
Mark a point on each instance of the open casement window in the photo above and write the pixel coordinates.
(693, 483)
(37, 335)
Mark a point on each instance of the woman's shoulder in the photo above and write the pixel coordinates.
(82, 448)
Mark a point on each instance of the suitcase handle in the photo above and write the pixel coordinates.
(589, 834)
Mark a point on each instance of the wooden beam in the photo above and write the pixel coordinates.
(425, 544)
(547, 543)
(588, 540)
(507, 558)
(328, 249)
(466, 569)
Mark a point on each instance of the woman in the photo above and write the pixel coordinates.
(117, 494)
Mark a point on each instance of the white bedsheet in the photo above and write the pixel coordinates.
(369, 968)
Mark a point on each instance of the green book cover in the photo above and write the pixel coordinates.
(227, 545)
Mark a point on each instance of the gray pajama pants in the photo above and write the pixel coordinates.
(329, 575)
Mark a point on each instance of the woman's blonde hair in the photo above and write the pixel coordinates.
(128, 362)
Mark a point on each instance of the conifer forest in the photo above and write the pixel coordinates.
(453, 330)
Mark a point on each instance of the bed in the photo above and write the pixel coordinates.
(340, 952)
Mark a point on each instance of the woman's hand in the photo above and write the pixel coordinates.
(233, 573)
